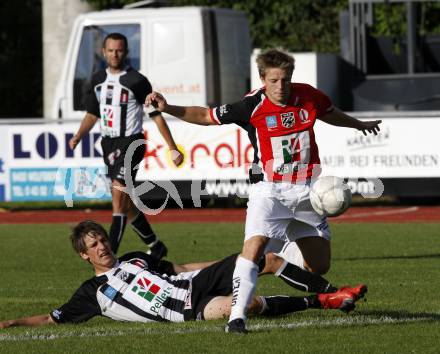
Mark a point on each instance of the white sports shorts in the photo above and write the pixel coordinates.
(283, 211)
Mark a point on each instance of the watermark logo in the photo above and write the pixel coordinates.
(93, 183)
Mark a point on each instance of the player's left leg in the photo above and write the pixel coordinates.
(120, 202)
(295, 276)
(137, 218)
(220, 307)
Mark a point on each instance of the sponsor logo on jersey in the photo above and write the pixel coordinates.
(143, 289)
(303, 116)
(271, 122)
(151, 292)
(287, 119)
(287, 168)
(107, 116)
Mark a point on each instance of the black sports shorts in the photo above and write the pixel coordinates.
(213, 281)
(114, 151)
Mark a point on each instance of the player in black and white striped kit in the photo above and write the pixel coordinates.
(116, 99)
(140, 288)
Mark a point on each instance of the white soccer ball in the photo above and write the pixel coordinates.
(330, 196)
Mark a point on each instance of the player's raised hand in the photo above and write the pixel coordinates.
(156, 100)
(371, 126)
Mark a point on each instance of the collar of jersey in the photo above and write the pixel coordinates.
(122, 72)
(117, 264)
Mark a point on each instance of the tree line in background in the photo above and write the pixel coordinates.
(21, 83)
(300, 25)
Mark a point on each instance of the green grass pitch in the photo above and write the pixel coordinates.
(399, 262)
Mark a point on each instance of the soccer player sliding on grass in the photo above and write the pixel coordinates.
(139, 288)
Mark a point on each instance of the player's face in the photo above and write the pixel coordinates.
(114, 53)
(277, 82)
(98, 253)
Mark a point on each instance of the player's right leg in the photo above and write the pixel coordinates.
(244, 282)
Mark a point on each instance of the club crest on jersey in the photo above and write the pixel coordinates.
(271, 122)
(123, 275)
(303, 115)
(223, 110)
(287, 119)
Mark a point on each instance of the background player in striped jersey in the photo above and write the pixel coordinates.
(279, 119)
(140, 288)
(116, 98)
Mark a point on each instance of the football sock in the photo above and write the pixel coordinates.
(142, 227)
(313, 302)
(244, 280)
(280, 305)
(304, 280)
(117, 230)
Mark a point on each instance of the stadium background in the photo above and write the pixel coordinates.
(390, 242)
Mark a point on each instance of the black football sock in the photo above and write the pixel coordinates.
(304, 280)
(117, 230)
(280, 305)
(313, 302)
(142, 227)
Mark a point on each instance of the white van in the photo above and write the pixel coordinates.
(194, 55)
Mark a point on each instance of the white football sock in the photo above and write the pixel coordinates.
(244, 281)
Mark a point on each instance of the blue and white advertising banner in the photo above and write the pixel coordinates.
(42, 167)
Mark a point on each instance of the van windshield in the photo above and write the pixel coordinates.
(90, 60)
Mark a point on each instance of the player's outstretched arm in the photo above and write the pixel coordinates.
(190, 114)
(164, 130)
(33, 321)
(189, 267)
(86, 125)
(340, 119)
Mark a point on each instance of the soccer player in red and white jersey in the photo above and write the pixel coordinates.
(279, 119)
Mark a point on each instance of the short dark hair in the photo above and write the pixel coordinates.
(274, 58)
(83, 229)
(117, 37)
